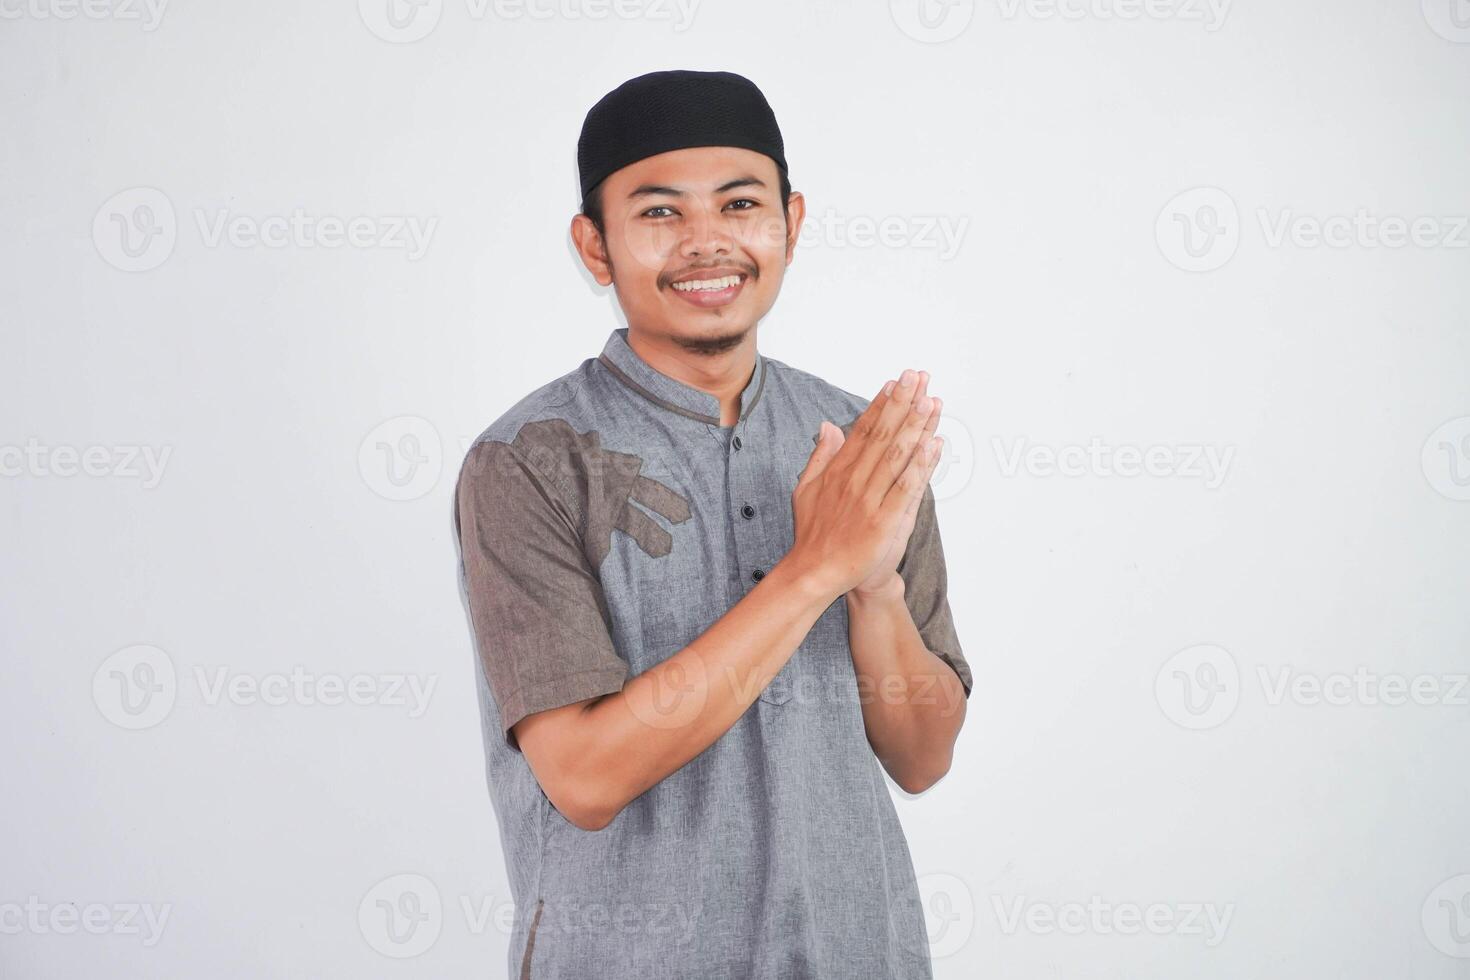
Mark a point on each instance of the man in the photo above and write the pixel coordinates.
(708, 618)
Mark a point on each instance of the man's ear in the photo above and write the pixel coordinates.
(592, 249)
(795, 214)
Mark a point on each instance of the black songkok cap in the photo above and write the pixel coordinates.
(671, 110)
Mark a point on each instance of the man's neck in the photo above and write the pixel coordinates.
(712, 365)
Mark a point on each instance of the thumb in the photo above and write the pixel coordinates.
(828, 440)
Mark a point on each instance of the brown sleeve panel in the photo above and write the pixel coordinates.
(536, 603)
(925, 589)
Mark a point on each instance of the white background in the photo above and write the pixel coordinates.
(1128, 745)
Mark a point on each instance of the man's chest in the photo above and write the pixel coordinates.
(694, 529)
(711, 513)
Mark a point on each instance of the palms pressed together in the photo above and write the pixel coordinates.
(882, 576)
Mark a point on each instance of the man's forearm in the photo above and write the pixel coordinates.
(670, 713)
(913, 702)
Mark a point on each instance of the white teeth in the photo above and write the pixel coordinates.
(721, 283)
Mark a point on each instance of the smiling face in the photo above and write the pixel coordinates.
(695, 243)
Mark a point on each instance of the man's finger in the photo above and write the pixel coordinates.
(853, 443)
(924, 438)
(908, 489)
(899, 423)
(829, 440)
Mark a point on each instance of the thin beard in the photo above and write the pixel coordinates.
(711, 346)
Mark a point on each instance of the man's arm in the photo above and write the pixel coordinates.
(913, 702)
(594, 757)
(594, 738)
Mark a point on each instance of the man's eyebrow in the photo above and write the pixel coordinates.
(740, 182)
(648, 190)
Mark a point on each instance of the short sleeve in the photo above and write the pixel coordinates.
(925, 588)
(536, 604)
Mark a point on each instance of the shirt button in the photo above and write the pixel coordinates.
(747, 511)
(736, 442)
(757, 574)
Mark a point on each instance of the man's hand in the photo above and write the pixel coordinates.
(858, 497)
(886, 571)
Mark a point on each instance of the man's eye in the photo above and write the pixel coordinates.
(662, 207)
(743, 200)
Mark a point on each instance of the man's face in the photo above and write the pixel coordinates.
(696, 244)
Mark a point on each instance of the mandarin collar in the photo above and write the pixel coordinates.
(676, 396)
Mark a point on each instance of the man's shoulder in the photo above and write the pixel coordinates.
(559, 398)
(833, 402)
(545, 420)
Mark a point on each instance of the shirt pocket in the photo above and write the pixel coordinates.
(779, 690)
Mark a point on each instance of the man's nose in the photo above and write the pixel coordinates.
(706, 233)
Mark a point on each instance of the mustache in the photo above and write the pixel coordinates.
(751, 272)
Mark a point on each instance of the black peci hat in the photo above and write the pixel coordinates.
(671, 110)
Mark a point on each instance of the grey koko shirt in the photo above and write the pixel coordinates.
(606, 520)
